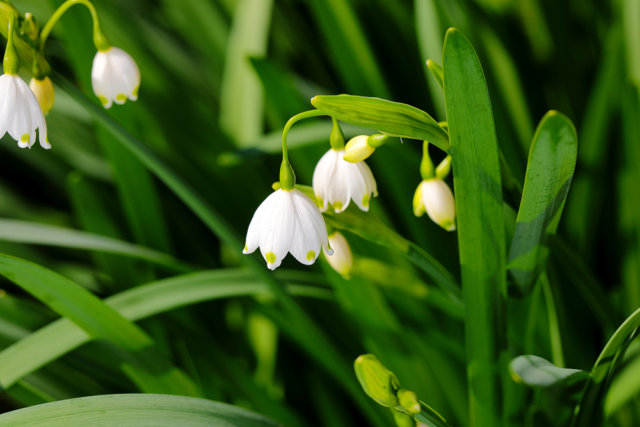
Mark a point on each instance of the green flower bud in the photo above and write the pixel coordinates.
(376, 380)
(409, 401)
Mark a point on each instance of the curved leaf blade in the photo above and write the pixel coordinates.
(535, 371)
(139, 409)
(388, 117)
(552, 161)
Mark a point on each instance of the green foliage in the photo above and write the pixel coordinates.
(125, 272)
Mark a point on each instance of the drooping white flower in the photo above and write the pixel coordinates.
(114, 77)
(287, 221)
(20, 113)
(336, 182)
(434, 196)
(342, 259)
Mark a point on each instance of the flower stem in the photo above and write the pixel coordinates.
(11, 60)
(99, 39)
(287, 176)
(426, 165)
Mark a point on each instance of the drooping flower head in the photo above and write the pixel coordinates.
(114, 76)
(20, 112)
(287, 221)
(336, 182)
(435, 197)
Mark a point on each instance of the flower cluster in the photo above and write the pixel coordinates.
(289, 221)
(114, 76)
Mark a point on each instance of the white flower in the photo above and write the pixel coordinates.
(115, 77)
(342, 259)
(20, 113)
(336, 182)
(287, 221)
(434, 196)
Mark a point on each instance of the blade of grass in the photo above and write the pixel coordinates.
(146, 366)
(478, 192)
(429, 32)
(552, 160)
(43, 234)
(349, 48)
(62, 336)
(147, 409)
(241, 99)
(589, 410)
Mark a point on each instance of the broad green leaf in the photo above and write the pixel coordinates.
(478, 195)
(241, 99)
(552, 160)
(388, 117)
(535, 371)
(350, 51)
(62, 336)
(147, 367)
(589, 410)
(50, 235)
(134, 409)
(624, 387)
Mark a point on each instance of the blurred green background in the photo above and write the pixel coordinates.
(219, 80)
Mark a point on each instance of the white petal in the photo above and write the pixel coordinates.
(277, 228)
(439, 203)
(322, 176)
(309, 214)
(307, 240)
(114, 76)
(256, 225)
(342, 258)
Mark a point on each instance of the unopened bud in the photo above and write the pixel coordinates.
(376, 380)
(342, 259)
(43, 90)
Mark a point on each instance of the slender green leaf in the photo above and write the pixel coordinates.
(50, 235)
(134, 409)
(589, 410)
(478, 193)
(429, 33)
(535, 371)
(241, 103)
(624, 387)
(349, 47)
(391, 118)
(436, 72)
(146, 366)
(62, 336)
(552, 161)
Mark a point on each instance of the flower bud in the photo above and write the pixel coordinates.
(376, 380)
(358, 149)
(409, 401)
(342, 259)
(43, 90)
(434, 196)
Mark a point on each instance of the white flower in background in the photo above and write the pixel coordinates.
(434, 196)
(114, 77)
(43, 90)
(287, 221)
(342, 259)
(336, 182)
(20, 113)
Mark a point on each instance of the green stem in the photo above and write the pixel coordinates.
(426, 165)
(287, 176)
(11, 60)
(99, 39)
(554, 326)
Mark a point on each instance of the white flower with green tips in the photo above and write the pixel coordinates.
(336, 182)
(20, 112)
(287, 221)
(114, 77)
(434, 197)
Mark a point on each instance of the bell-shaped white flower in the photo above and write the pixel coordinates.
(114, 77)
(20, 113)
(287, 221)
(434, 196)
(336, 182)
(342, 259)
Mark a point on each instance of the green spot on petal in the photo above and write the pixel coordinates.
(103, 100)
(121, 97)
(245, 248)
(311, 255)
(337, 206)
(25, 137)
(135, 91)
(365, 200)
(271, 257)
